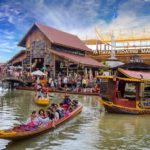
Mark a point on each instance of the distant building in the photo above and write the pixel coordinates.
(55, 51)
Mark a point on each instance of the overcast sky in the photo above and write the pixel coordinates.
(79, 17)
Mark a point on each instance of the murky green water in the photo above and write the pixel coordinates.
(93, 129)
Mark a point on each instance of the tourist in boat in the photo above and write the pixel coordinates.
(43, 117)
(67, 110)
(60, 110)
(66, 101)
(41, 113)
(50, 113)
(54, 111)
(56, 114)
(39, 94)
(33, 120)
(74, 104)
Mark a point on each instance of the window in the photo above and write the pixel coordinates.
(147, 91)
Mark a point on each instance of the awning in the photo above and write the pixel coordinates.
(145, 76)
(119, 78)
(85, 60)
(38, 73)
(105, 77)
(129, 79)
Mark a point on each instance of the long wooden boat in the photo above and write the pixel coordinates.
(75, 93)
(128, 92)
(41, 101)
(14, 135)
(113, 108)
(60, 91)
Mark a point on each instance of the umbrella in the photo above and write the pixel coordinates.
(38, 73)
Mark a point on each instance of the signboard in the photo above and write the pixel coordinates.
(125, 51)
(38, 49)
(38, 45)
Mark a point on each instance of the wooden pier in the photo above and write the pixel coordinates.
(11, 81)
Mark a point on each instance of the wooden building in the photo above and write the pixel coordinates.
(55, 51)
(18, 59)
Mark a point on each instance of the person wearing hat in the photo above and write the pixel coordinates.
(66, 100)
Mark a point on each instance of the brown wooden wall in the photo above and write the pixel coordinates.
(36, 35)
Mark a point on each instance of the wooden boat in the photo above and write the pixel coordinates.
(75, 93)
(126, 93)
(41, 101)
(113, 108)
(29, 88)
(60, 91)
(13, 134)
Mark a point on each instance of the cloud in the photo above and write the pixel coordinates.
(64, 15)
(129, 22)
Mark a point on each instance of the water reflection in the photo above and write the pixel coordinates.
(91, 130)
(124, 132)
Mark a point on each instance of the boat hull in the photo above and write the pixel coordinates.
(112, 108)
(42, 101)
(27, 134)
(59, 91)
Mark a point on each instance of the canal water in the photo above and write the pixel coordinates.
(93, 129)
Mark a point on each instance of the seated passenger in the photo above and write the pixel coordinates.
(41, 113)
(66, 100)
(60, 110)
(50, 113)
(39, 94)
(33, 120)
(75, 104)
(66, 111)
(44, 120)
(56, 114)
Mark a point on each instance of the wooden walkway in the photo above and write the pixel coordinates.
(12, 79)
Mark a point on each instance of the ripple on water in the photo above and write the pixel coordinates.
(90, 130)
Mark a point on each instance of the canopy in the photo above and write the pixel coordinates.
(38, 73)
(143, 76)
(85, 60)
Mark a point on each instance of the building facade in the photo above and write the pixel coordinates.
(55, 51)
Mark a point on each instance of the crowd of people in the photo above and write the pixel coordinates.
(16, 72)
(74, 83)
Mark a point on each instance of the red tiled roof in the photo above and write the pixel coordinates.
(87, 61)
(136, 74)
(18, 57)
(59, 37)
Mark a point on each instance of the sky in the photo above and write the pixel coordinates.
(79, 17)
